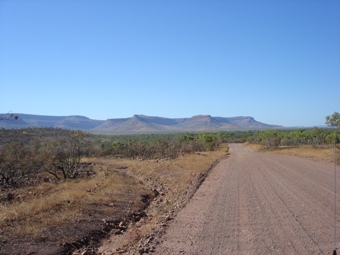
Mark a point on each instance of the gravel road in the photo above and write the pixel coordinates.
(258, 203)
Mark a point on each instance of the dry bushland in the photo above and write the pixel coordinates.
(56, 218)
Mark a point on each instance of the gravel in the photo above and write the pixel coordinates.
(258, 203)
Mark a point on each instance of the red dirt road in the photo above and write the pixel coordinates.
(258, 203)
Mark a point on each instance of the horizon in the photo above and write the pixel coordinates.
(277, 62)
(165, 117)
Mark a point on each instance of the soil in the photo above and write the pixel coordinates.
(248, 203)
(94, 223)
(257, 203)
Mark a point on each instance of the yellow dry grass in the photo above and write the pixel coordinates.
(117, 181)
(49, 204)
(325, 153)
(173, 174)
(255, 146)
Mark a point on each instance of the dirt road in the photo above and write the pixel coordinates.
(258, 203)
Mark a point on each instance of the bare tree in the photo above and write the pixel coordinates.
(18, 163)
(65, 154)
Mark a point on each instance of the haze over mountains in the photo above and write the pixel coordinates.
(138, 123)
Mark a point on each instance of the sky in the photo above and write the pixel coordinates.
(277, 61)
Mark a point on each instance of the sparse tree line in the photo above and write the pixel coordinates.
(29, 155)
(314, 136)
(167, 146)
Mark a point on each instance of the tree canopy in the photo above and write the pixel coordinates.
(333, 120)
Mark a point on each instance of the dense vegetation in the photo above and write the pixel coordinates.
(30, 155)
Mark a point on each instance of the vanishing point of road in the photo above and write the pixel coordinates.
(258, 203)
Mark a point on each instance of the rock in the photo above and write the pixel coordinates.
(121, 224)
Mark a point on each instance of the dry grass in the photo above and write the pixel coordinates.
(115, 190)
(173, 177)
(325, 153)
(255, 146)
(49, 204)
(175, 174)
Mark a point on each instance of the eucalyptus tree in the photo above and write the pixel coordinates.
(333, 120)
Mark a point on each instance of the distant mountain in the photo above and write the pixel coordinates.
(138, 123)
(67, 122)
(147, 124)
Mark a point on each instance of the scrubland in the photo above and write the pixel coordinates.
(77, 214)
(66, 192)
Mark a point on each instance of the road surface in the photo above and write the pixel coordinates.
(258, 203)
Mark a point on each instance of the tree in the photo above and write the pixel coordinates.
(65, 154)
(316, 136)
(8, 117)
(333, 120)
(19, 163)
(271, 138)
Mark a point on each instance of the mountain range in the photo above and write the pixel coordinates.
(138, 123)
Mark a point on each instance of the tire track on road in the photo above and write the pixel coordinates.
(257, 203)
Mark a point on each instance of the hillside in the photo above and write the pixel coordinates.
(145, 124)
(67, 122)
(137, 123)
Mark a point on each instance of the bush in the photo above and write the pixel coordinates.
(19, 163)
(31, 154)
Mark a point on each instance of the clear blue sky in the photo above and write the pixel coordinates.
(277, 61)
